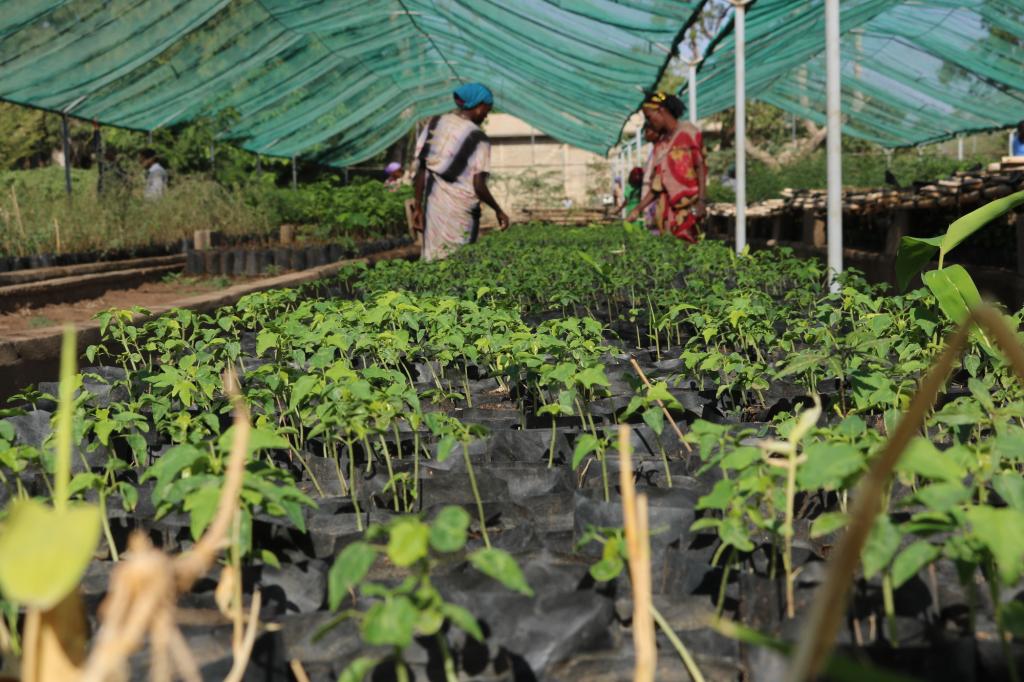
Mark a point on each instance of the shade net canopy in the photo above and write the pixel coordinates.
(912, 72)
(337, 80)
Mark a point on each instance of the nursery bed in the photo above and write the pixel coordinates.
(495, 382)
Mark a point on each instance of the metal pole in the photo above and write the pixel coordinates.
(295, 175)
(639, 147)
(691, 89)
(834, 121)
(66, 147)
(740, 32)
(960, 147)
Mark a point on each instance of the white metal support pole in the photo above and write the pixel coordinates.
(960, 147)
(639, 147)
(295, 174)
(691, 89)
(739, 31)
(834, 121)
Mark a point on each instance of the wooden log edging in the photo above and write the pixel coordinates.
(40, 274)
(77, 288)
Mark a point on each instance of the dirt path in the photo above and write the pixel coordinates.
(145, 295)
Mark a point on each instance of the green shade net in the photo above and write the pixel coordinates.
(912, 72)
(337, 80)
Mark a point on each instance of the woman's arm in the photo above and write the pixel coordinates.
(418, 183)
(483, 193)
(648, 199)
(700, 207)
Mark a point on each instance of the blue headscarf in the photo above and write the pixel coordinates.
(473, 94)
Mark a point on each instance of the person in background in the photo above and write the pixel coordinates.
(728, 178)
(1018, 140)
(652, 217)
(453, 161)
(393, 171)
(679, 175)
(156, 175)
(634, 191)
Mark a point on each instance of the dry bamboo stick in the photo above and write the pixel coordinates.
(675, 427)
(643, 619)
(298, 671)
(635, 526)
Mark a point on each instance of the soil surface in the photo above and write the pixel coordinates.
(145, 295)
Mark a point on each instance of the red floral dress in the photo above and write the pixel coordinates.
(677, 162)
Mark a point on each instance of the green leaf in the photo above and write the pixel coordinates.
(593, 376)
(429, 621)
(302, 387)
(44, 552)
(391, 622)
(348, 570)
(445, 447)
(829, 465)
(358, 669)
(659, 391)
(586, 444)
(462, 619)
(655, 419)
(1012, 614)
(83, 481)
(499, 564)
(1002, 533)
(943, 497)
(269, 558)
(965, 226)
(740, 458)
(1011, 488)
(201, 506)
(801, 363)
(880, 547)
(170, 465)
(448, 530)
(921, 458)
(911, 560)
(607, 569)
(957, 294)
(720, 496)
(264, 341)
(828, 522)
(731, 532)
(914, 253)
(407, 541)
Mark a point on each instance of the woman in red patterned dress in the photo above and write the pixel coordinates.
(679, 175)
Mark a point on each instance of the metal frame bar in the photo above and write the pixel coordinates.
(834, 119)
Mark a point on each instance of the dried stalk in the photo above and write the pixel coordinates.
(242, 653)
(668, 415)
(298, 671)
(634, 517)
(829, 606)
(145, 586)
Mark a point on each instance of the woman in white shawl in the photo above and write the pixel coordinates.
(454, 160)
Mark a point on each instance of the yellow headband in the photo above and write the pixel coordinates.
(655, 100)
